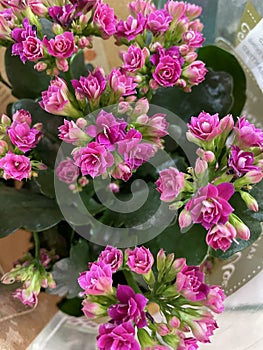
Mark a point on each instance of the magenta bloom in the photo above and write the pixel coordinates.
(93, 160)
(130, 308)
(131, 140)
(62, 46)
(168, 66)
(134, 58)
(122, 171)
(22, 116)
(195, 72)
(140, 260)
(247, 135)
(20, 35)
(24, 137)
(121, 337)
(202, 329)
(159, 21)
(62, 15)
(91, 86)
(241, 161)
(193, 38)
(170, 184)
(130, 28)
(221, 236)
(189, 343)
(121, 82)
(67, 171)
(105, 19)
(15, 167)
(96, 281)
(210, 206)
(205, 127)
(139, 154)
(32, 48)
(92, 310)
(190, 283)
(84, 5)
(7, 20)
(27, 298)
(69, 132)
(112, 256)
(215, 299)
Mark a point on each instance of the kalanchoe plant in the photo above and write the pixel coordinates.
(108, 129)
(184, 301)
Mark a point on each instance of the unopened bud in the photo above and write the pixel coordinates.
(250, 201)
(242, 230)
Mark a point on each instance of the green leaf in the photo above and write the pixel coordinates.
(213, 95)
(220, 60)
(25, 209)
(71, 307)
(66, 271)
(190, 245)
(45, 181)
(77, 66)
(25, 80)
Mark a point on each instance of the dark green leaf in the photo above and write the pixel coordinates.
(25, 80)
(71, 307)
(66, 271)
(214, 95)
(46, 27)
(45, 181)
(24, 209)
(77, 66)
(220, 60)
(190, 245)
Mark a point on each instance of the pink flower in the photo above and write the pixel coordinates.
(96, 281)
(140, 260)
(26, 297)
(84, 5)
(170, 184)
(130, 28)
(92, 310)
(112, 256)
(193, 39)
(62, 46)
(176, 9)
(93, 159)
(67, 171)
(15, 167)
(130, 308)
(131, 140)
(205, 127)
(210, 206)
(241, 162)
(24, 137)
(105, 19)
(69, 132)
(134, 58)
(38, 8)
(215, 298)
(193, 10)
(189, 343)
(56, 100)
(62, 15)
(168, 66)
(145, 7)
(221, 236)
(33, 48)
(247, 135)
(202, 329)
(22, 116)
(7, 20)
(122, 171)
(190, 283)
(195, 72)
(121, 82)
(139, 154)
(159, 21)
(91, 86)
(112, 337)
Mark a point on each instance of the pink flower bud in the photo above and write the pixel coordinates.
(93, 310)
(40, 66)
(251, 177)
(3, 147)
(83, 181)
(174, 322)
(62, 64)
(163, 329)
(161, 258)
(242, 230)
(185, 219)
(250, 201)
(193, 11)
(5, 120)
(190, 57)
(81, 123)
(57, 29)
(114, 188)
(201, 167)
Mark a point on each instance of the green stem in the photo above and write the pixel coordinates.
(37, 245)
(131, 282)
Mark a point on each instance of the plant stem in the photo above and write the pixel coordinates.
(131, 282)
(37, 245)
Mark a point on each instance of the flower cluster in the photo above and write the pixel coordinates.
(161, 43)
(18, 137)
(230, 160)
(31, 272)
(178, 291)
(115, 146)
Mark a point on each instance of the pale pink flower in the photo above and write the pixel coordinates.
(170, 184)
(140, 260)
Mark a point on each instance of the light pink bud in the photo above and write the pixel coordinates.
(5, 120)
(250, 201)
(72, 187)
(185, 219)
(155, 46)
(179, 264)
(227, 124)
(193, 10)
(83, 181)
(81, 123)
(83, 19)
(163, 330)
(176, 9)
(114, 188)
(184, 49)
(62, 64)
(174, 322)
(190, 57)
(161, 258)
(200, 166)
(153, 84)
(40, 66)
(57, 29)
(3, 147)
(84, 42)
(124, 107)
(141, 107)
(242, 230)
